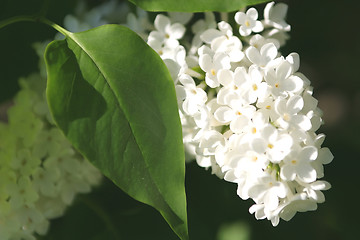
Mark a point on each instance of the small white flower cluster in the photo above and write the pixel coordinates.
(40, 172)
(246, 111)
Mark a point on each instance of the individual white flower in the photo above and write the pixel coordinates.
(313, 190)
(254, 126)
(231, 91)
(267, 107)
(225, 30)
(236, 114)
(253, 88)
(294, 60)
(192, 96)
(25, 162)
(207, 147)
(31, 219)
(204, 49)
(324, 157)
(258, 41)
(275, 144)
(243, 167)
(288, 110)
(177, 54)
(298, 164)
(70, 186)
(245, 181)
(258, 211)
(261, 58)
(230, 45)
(48, 142)
(174, 69)
(166, 33)
(22, 193)
(310, 103)
(281, 81)
(248, 22)
(45, 180)
(64, 160)
(315, 118)
(296, 203)
(253, 162)
(211, 65)
(222, 40)
(202, 118)
(268, 191)
(274, 15)
(227, 156)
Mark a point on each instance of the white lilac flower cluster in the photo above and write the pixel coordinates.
(40, 172)
(247, 113)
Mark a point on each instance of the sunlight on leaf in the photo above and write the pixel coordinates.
(195, 5)
(114, 99)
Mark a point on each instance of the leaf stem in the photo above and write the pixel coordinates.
(33, 18)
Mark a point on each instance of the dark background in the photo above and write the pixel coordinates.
(326, 35)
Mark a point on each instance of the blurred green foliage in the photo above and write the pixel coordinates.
(325, 34)
(17, 55)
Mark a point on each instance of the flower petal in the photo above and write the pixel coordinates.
(209, 35)
(177, 30)
(252, 13)
(224, 114)
(161, 22)
(225, 76)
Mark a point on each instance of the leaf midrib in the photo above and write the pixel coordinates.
(73, 38)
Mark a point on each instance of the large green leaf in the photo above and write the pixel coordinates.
(195, 5)
(114, 99)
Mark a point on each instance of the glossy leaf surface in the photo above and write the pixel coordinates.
(195, 5)
(114, 99)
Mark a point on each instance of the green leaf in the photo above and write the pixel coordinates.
(114, 99)
(195, 5)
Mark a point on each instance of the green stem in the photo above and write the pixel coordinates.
(33, 18)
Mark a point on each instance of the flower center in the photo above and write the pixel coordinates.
(286, 117)
(270, 146)
(255, 87)
(276, 85)
(253, 130)
(268, 107)
(213, 72)
(293, 162)
(247, 23)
